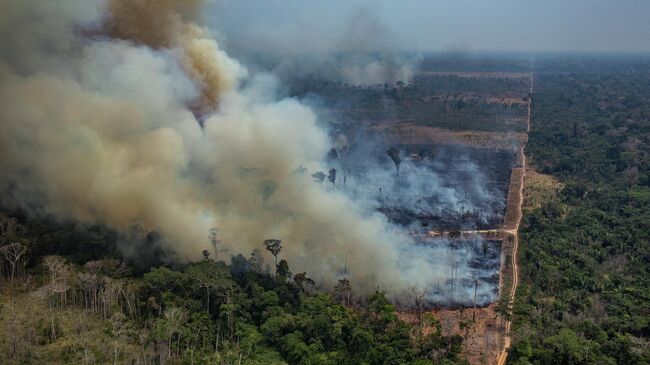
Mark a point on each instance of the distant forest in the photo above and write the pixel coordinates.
(584, 258)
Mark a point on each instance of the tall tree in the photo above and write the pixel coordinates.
(393, 153)
(332, 176)
(14, 253)
(207, 274)
(476, 285)
(274, 246)
(214, 236)
(173, 320)
(343, 289)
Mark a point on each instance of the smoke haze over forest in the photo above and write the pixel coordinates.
(167, 117)
(466, 25)
(130, 114)
(292, 182)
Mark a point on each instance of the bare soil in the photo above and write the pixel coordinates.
(481, 329)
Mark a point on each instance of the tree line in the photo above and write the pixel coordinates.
(105, 310)
(585, 254)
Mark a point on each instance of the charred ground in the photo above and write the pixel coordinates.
(456, 136)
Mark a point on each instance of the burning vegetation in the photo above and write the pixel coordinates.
(142, 133)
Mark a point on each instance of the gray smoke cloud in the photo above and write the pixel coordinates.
(445, 183)
(98, 109)
(437, 189)
(353, 47)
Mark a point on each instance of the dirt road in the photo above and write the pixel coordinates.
(503, 356)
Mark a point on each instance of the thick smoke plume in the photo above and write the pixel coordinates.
(97, 108)
(163, 24)
(446, 184)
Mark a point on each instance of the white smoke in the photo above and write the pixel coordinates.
(98, 125)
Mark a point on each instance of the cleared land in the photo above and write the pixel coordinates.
(481, 112)
(408, 133)
(486, 330)
(446, 101)
(498, 75)
(540, 188)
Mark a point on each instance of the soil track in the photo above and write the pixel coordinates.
(487, 340)
(503, 356)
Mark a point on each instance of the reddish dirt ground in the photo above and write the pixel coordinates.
(486, 333)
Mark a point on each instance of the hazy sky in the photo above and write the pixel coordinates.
(473, 25)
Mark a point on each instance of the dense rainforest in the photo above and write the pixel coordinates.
(584, 296)
(68, 297)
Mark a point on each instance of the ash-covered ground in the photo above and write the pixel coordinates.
(472, 265)
(426, 188)
(423, 188)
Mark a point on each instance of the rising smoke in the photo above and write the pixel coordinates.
(446, 183)
(354, 46)
(98, 106)
(364, 55)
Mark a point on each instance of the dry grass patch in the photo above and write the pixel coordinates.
(539, 189)
(408, 133)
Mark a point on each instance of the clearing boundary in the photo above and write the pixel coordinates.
(512, 227)
(487, 340)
